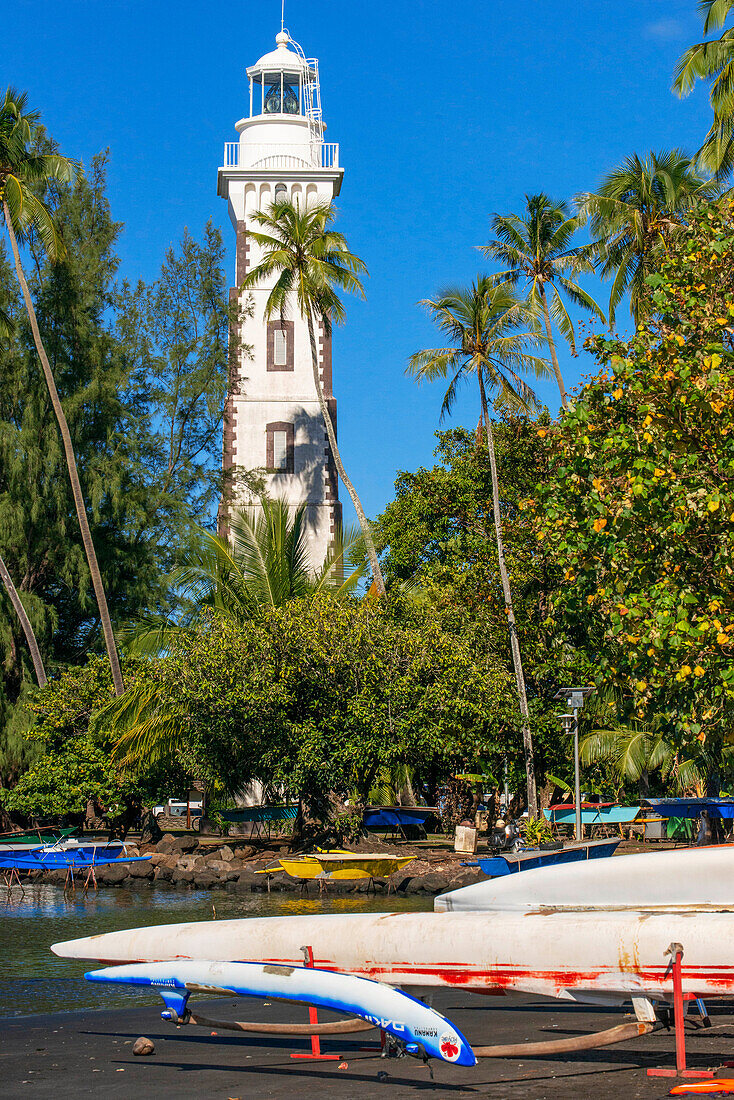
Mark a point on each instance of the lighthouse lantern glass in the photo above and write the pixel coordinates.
(281, 97)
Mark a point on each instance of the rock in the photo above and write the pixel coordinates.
(143, 1046)
(184, 844)
(162, 873)
(182, 877)
(247, 881)
(165, 843)
(466, 877)
(244, 851)
(191, 863)
(221, 867)
(113, 875)
(204, 880)
(226, 853)
(433, 883)
(141, 870)
(132, 850)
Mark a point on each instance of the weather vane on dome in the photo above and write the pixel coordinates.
(282, 15)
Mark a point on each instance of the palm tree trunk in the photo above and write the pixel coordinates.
(552, 346)
(25, 622)
(71, 466)
(371, 551)
(527, 736)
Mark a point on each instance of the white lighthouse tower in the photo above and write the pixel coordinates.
(273, 422)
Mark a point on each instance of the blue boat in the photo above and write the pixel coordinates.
(527, 859)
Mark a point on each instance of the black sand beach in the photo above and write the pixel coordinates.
(71, 1054)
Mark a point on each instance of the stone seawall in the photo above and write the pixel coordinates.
(184, 861)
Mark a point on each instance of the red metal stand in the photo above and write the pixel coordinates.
(313, 1018)
(676, 967)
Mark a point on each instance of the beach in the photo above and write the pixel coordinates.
(75, 1054)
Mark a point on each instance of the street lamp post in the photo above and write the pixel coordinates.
(574, 699)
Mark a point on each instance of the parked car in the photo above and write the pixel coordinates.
(177, 809)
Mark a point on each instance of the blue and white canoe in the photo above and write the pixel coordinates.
(424, 1032)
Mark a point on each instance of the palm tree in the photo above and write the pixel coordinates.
(714, 61)
(265, 564)
(482, 325)
(635, 751)
(535, 247)
(25, 622)
(310, 261)
(639, 205)
(22, 172)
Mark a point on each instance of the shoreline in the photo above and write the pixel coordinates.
(237, 867)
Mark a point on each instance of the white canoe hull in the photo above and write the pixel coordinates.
(690, 879)
(576, 955)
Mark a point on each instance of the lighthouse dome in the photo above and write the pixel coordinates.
(280, 59)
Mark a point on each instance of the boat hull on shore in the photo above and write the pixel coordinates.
(558, 954)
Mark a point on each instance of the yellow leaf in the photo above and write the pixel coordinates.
(680, 340)
(542, 433)
(722, 639)
(600, 524)
(722, 320)
(641, 685)
(618, 393)
(699, 671)
(713, 506)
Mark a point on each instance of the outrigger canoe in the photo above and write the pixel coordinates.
(421, 1030)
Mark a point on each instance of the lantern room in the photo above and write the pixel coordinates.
(282, 82)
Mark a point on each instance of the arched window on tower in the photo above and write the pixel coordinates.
(281, 192)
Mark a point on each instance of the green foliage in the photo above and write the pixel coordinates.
(65, 782)
(535, 831)
(263, 563)
(438, 533)
(126, 399)
(25, 172)
(318, 696)
(536, 247)
(639, 507)
(175, 336)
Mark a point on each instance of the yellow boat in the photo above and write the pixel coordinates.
(343, 865)
(304, 866)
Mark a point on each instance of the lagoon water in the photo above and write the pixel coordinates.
(33, 980)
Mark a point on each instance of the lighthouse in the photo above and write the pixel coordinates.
(273, 423)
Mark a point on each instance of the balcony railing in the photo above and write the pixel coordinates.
(313, 155)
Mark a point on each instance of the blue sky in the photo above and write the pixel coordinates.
(445, 113)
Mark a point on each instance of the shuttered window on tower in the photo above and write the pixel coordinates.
(280, 345)
(279, 439)
(280, 451)
(280, 348)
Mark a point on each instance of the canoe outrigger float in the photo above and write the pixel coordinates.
(596, 932)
